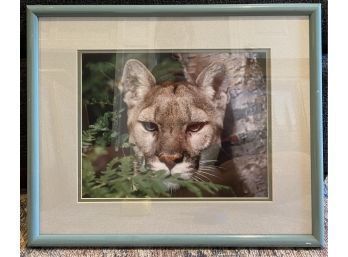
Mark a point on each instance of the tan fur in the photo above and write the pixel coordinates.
(173, 107)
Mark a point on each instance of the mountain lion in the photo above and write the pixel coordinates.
(175, 126)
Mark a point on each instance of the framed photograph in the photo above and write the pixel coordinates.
(195, 125)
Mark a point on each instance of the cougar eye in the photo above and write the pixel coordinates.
(195, 127)
(150, 126)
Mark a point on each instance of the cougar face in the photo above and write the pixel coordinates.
(175, 127)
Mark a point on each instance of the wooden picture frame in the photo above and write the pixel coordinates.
(37, 238)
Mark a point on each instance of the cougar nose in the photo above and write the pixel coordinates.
(171, 159)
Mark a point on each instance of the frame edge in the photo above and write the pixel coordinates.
(33, 184)
(173, 10)
(316, 126)
(175, 241)
(34, 237)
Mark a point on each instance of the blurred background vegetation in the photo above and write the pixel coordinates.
(107, 158)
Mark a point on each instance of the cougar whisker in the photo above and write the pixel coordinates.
(210, 174)
(196, 178)
(204, 176)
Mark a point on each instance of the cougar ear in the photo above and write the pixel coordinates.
(136, 81)
(210, 80)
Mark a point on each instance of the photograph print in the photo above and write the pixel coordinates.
(191, 124)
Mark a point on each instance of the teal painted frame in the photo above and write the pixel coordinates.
(316, 239)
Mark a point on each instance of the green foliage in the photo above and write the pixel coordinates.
(100, 133)
(167, 70)
(119, 180)
(97, 87)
